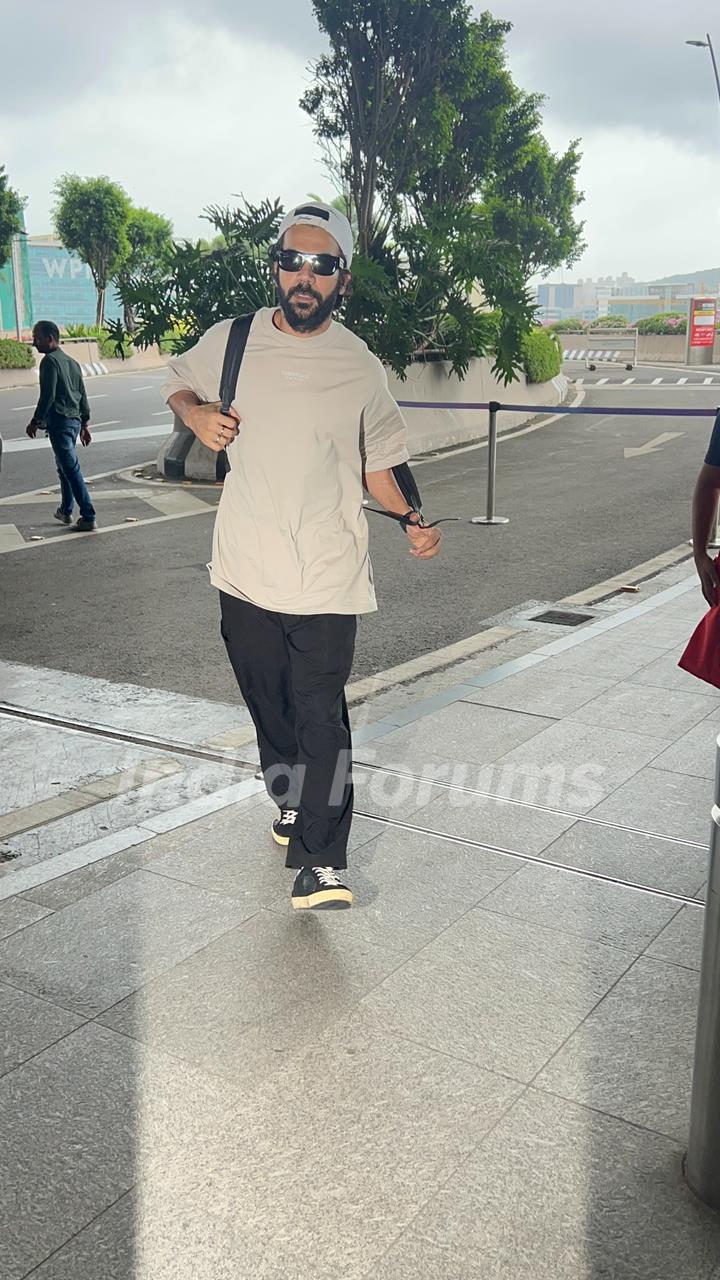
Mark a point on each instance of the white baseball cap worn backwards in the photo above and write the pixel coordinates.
(316, 214)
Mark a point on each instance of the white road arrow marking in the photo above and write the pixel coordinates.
(653, 446)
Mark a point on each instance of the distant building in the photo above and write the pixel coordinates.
(585, 300)
(652, 299)
(54, 285)
(620, 296)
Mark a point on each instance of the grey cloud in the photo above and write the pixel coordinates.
(619, 63)
(60, 60)
(288, 23)
(622, 62)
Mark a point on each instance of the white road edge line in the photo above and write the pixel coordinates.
(53, 489)
(112, 528)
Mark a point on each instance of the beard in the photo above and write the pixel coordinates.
(304, 317)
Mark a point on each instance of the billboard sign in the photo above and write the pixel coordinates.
(702, 320)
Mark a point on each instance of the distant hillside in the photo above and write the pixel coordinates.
(709, 279)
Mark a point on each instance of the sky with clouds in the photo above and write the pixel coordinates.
(188, 103)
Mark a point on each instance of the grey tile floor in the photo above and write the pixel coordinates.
(481, 1072)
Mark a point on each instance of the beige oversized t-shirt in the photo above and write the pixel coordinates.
(290, 533)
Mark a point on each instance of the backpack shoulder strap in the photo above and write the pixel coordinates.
(234, 351)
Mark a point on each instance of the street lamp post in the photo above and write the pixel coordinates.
(16, 263)
(696, 353)
(708, 44)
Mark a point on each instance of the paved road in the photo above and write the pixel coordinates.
(133, 603)
(642, 376)
(129, 421)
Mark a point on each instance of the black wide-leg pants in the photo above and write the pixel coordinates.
(292, 670)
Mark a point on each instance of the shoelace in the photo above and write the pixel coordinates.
(289, 815)
(327, 877)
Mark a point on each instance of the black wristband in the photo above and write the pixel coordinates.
(406, 520)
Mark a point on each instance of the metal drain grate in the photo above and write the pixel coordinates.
(563, 618)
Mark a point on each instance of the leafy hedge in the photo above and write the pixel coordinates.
(109, 348)
(610, 321)
(665, 322)
(15, 355)
(107, 342)
(570, 325)
(541, 356)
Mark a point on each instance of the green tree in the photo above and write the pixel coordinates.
(531, 202)
(202, 285)
(11, 206)
(415, 107)
(487, 123)
(150, 243)
(380, 97)
(425, 130)
(413, 299)
(91, 217)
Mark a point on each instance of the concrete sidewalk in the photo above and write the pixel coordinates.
(481, 1072)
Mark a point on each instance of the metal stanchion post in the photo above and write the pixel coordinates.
(702, 1161)
(490, 517)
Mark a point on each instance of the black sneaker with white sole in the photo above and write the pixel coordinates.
(285, 826)
(62, 516)
(320, 888)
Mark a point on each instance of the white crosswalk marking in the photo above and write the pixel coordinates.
(125, 433)
(656, 382)
(681, 381)
(600, 382)
(10, 538)
(707, 381)
(627, 382)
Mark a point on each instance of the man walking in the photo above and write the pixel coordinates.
(63, 412)
(312, 422)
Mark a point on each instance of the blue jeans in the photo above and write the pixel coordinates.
(63, 434)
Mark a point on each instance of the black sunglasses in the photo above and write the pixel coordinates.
(321, 264)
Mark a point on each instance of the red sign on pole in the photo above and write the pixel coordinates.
(702, 322)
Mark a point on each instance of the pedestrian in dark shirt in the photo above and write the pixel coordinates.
(63, 412)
